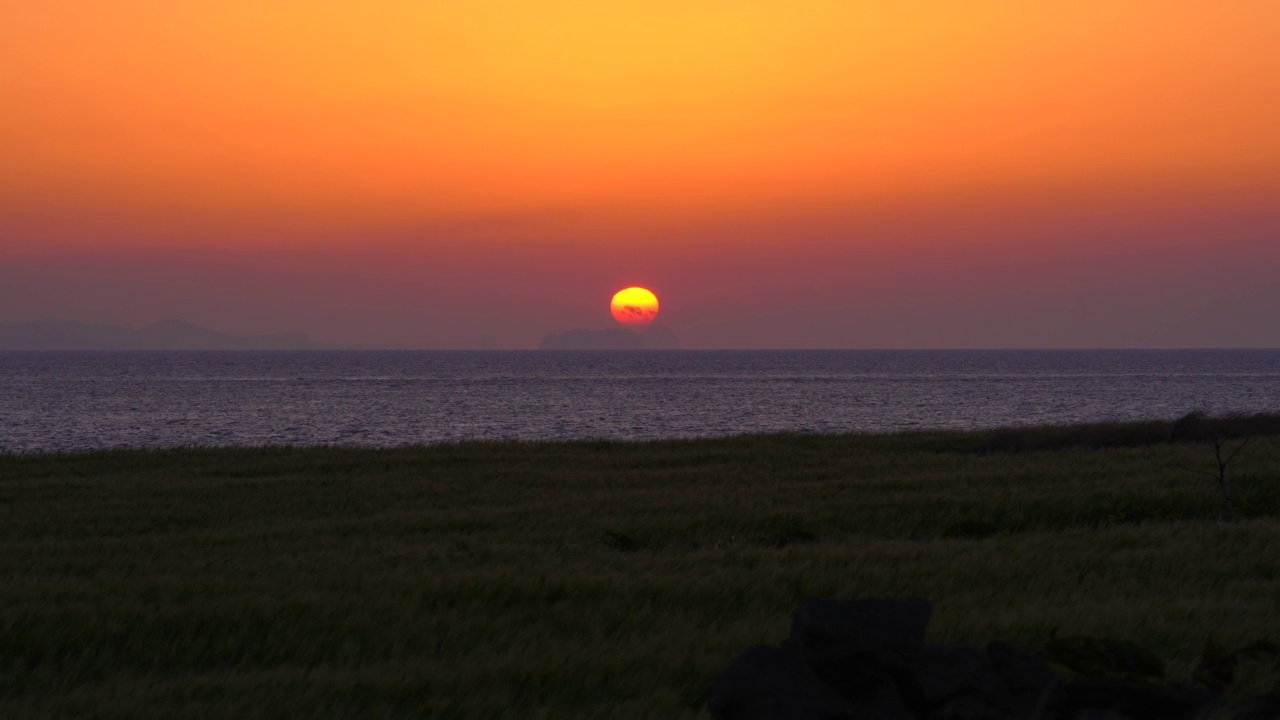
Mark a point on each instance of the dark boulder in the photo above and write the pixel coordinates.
(889, 632)
(866, 660)
(871, 691)
(1028, 682)
(967, 707)
(1264, 707)
(1218, 667)
(769, 683)
(945, 671)
(1105, 657)
(1136, 700)
(1019, 670)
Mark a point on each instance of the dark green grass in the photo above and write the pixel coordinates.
(591, 579)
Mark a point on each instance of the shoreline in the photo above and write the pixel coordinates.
(1089, 435)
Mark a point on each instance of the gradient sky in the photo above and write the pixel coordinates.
(782, 174)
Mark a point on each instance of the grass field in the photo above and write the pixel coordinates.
(592, 579)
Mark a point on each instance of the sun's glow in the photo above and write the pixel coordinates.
(634, 306)
(361, 112)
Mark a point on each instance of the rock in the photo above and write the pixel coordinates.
(866, 660)
(1020, 671)
(769, 683)
(1028, 681)
(882, 702)
(890, 632)
(1136, 700)
(967, 707)
(944, 671)
(1264, 707)
(1025, 704)
(869, 689)
(1218, 667)
(1105, 658)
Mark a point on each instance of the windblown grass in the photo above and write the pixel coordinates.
(590, 579)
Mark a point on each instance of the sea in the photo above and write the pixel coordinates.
(89, 400)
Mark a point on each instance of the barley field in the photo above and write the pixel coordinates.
(594, 579)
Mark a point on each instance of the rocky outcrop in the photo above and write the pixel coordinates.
(867, 659)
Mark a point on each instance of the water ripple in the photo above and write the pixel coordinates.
(75, 401)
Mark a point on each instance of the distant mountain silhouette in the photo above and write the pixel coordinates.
(658, 337)
(164, 335)
(654, 338)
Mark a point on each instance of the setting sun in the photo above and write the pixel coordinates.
(634, 307)
(928, 268)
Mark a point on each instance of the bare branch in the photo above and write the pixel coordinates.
(1237, 451)
(1213, 475)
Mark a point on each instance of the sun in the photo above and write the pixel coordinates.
(634, 307)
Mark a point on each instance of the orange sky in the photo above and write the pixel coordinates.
(445, 174)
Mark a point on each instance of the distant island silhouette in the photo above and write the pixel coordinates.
(163, 335)
(653, 338)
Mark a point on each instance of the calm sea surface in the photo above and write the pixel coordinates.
(57, 401)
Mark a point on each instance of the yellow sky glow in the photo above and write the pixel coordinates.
(431, 109)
